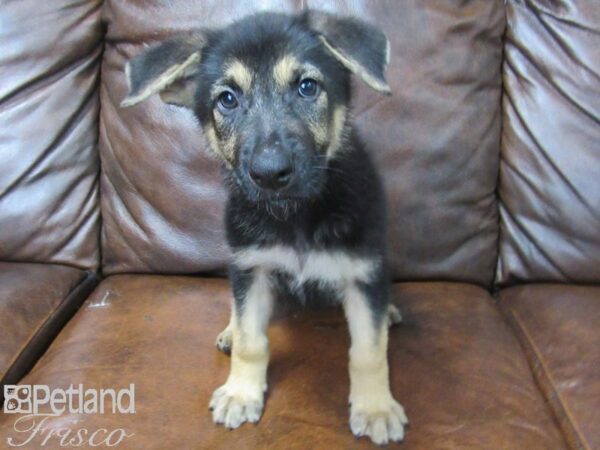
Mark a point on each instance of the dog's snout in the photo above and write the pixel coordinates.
(271, 168)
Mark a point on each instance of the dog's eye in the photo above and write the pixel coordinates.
(228, 101)
(308, 88)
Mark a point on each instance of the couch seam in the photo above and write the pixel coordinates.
(573, 436)
(88, 277)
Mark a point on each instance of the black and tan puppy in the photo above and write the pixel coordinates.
(306, 209)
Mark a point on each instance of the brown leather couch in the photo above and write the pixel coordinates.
(113, 250)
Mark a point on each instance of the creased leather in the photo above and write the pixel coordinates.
(436, 140)
(454, 363)
(50, 54)
(29, 294)
(549, 183)
(558, 327)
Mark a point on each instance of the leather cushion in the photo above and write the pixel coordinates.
(549, 183)
(558, 327)
(35, 301)
(436, 140)
(50, 56)
(455, 366)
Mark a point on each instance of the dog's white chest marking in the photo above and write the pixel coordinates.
(316, 265)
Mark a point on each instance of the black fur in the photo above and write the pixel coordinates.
(341, 204)
(333, 203)
(348, 214)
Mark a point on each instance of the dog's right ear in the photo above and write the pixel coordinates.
(168, 69)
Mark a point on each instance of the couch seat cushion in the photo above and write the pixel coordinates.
(455, 366)
(559, 327)
(35, 300)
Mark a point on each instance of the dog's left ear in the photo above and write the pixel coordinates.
(359, 46)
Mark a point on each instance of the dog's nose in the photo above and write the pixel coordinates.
(271, 168)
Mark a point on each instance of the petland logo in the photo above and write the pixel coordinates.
(32, 426)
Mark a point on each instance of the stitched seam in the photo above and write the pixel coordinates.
(48, 317)
(550, 391)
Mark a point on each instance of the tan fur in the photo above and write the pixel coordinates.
(228, 146)
(331, 267)
(216, 146)
(240, 399)
(319, 131)
(374, 411)
(224, 148)
(211, 137)
(320, 128)
(241, 74)
(249, 330)
(284, 71)
(188, 67)
(337, 130)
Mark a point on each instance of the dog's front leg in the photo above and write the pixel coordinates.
(373, 410)
(241, 398)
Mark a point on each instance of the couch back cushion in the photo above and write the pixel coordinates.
(50, 53)
(436, 140)
(550, 170)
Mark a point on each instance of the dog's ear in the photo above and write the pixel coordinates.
(359, 46)
(167, 68)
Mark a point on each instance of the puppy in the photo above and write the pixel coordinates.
(306, 208)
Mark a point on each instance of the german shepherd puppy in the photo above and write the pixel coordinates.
(306, 208)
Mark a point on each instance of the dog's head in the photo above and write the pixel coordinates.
(271, 92)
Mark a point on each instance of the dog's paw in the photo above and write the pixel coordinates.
(383, 423)
(224, 340)
(394, 315)
(232, 406)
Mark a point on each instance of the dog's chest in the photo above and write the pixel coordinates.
(323, 266)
